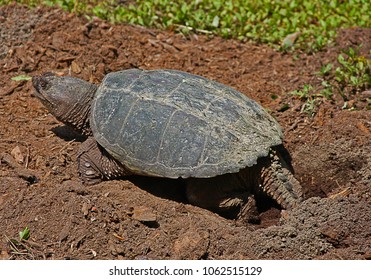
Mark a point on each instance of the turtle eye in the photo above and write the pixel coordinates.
(44, 80)
(43, 83)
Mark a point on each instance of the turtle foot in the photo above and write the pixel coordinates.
(224, 194)
(278, 182)
(89, 164)
(96, 165)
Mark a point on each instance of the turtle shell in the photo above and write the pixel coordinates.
(173, 124)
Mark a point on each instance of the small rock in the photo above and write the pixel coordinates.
(192, 244)
(331, 235)
(40, 162)
(75, 67)
(284, 215)
(144, 214)
(290, 39)
(85, 209)
(17, 155)
(93, 252)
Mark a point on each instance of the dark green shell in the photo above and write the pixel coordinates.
(174, 124)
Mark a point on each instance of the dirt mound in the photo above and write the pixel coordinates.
(144, 218)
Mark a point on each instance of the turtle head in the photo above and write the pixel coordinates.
(67, 98)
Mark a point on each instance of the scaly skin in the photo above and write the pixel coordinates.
(277, 181)
(96, 165)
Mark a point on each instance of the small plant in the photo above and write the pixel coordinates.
(327, 90)
(353, 74)
(325, 70)
(351, 77)
(304, 93)
(21, 247)
(310, 106)
(311, 98)
(24, 234)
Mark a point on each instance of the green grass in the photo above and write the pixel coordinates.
(264, 21)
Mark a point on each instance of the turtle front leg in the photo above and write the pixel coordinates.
(96, 165)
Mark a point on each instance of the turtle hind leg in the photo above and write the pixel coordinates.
(225, 195)
(96, 165)
(277, 180)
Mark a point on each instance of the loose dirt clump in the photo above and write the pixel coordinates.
(144, 218)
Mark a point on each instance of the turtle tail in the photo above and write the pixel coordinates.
(277, 180)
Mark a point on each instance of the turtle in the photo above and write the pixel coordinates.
(173, 124)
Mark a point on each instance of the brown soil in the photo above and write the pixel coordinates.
(144, 218)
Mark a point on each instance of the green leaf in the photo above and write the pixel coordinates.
(354, 80)
(25, 234)
(215, 21)
(341, 60)
(21, 78)
(360, 66)
(325, 69)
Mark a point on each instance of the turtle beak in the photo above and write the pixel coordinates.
(41, 84)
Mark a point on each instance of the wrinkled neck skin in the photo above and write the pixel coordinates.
(79, 114)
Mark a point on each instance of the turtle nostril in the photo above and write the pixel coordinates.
(36, 82)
